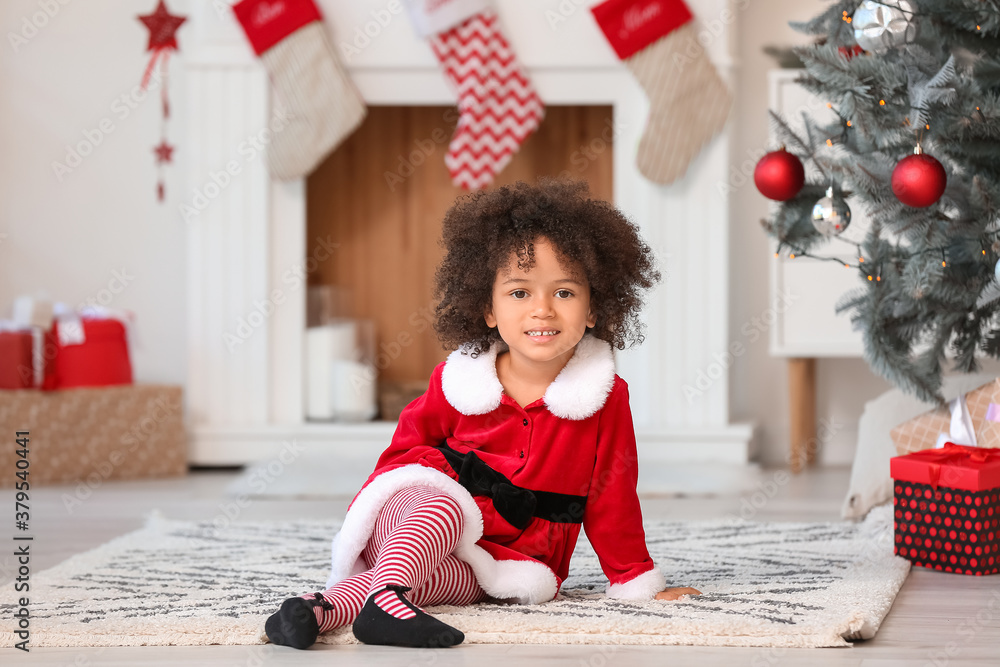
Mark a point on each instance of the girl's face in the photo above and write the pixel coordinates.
(549, 298)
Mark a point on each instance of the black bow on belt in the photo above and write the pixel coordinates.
(514, 504)
(517, 505)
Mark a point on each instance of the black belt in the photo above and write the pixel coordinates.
(515, 504)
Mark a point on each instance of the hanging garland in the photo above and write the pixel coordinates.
(162, 27)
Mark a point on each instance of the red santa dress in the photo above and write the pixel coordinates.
(527, 478)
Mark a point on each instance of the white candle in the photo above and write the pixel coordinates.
(342, 338)
(352, 389)
(319, 403)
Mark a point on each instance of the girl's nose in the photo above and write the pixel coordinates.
(543, 307)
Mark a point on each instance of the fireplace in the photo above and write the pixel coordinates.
(381, 198)
(251, 251)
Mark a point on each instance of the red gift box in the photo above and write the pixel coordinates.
(947, 508)
(101, 359)
(16, 370)
(17, 359)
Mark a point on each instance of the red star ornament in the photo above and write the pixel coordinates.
(163, 152)
(162, 28)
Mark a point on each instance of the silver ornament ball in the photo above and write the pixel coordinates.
(831, 215)
(880, 26)
(996, 271)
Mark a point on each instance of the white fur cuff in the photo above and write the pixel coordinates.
(430, 17)
(643, 587)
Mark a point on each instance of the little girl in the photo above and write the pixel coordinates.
(523, 436)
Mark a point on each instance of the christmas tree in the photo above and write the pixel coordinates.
(901, 74)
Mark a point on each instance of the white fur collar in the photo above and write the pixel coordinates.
(580, 389)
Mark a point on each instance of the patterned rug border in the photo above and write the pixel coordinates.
(872, 582)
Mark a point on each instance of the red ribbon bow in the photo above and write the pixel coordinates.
(954, 454)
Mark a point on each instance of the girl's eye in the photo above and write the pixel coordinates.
(516, 292)
(566, 292)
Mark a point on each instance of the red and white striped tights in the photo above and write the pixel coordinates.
(415, 533)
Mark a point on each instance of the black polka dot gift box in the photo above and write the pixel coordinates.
(947, 508)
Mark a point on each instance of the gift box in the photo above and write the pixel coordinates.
(16, 370)
(971, 419)
(947, 508)
(87, 436)
(91, 352)
(23, 355)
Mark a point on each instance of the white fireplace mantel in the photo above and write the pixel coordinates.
(246, 301)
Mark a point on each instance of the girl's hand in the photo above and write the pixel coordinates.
(674, 593)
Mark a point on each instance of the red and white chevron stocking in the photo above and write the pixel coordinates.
(498, 107)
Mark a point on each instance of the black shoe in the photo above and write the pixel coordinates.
(375, 626)
(294, 624)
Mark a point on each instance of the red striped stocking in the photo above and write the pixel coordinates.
(415, 527)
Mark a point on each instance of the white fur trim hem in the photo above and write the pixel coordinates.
(526, 582)
(643, 587)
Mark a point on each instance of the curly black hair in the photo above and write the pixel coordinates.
(483, 228)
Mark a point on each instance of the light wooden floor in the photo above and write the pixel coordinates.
(937, 619)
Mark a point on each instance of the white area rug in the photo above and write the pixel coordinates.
(763, 584)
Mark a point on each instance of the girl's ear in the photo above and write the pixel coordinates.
(591, 320)
(491, 321)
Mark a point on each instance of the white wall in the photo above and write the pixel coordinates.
(67, 238)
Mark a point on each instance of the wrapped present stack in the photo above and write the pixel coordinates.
(946, 485)
(947, 508)
(66, 378)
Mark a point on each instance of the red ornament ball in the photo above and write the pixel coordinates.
(779, 175)
(918, 180)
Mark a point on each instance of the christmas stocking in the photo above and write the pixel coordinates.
(689, 103)
(498, 107)
(317, 105)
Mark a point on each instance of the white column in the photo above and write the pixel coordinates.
(226, 209)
